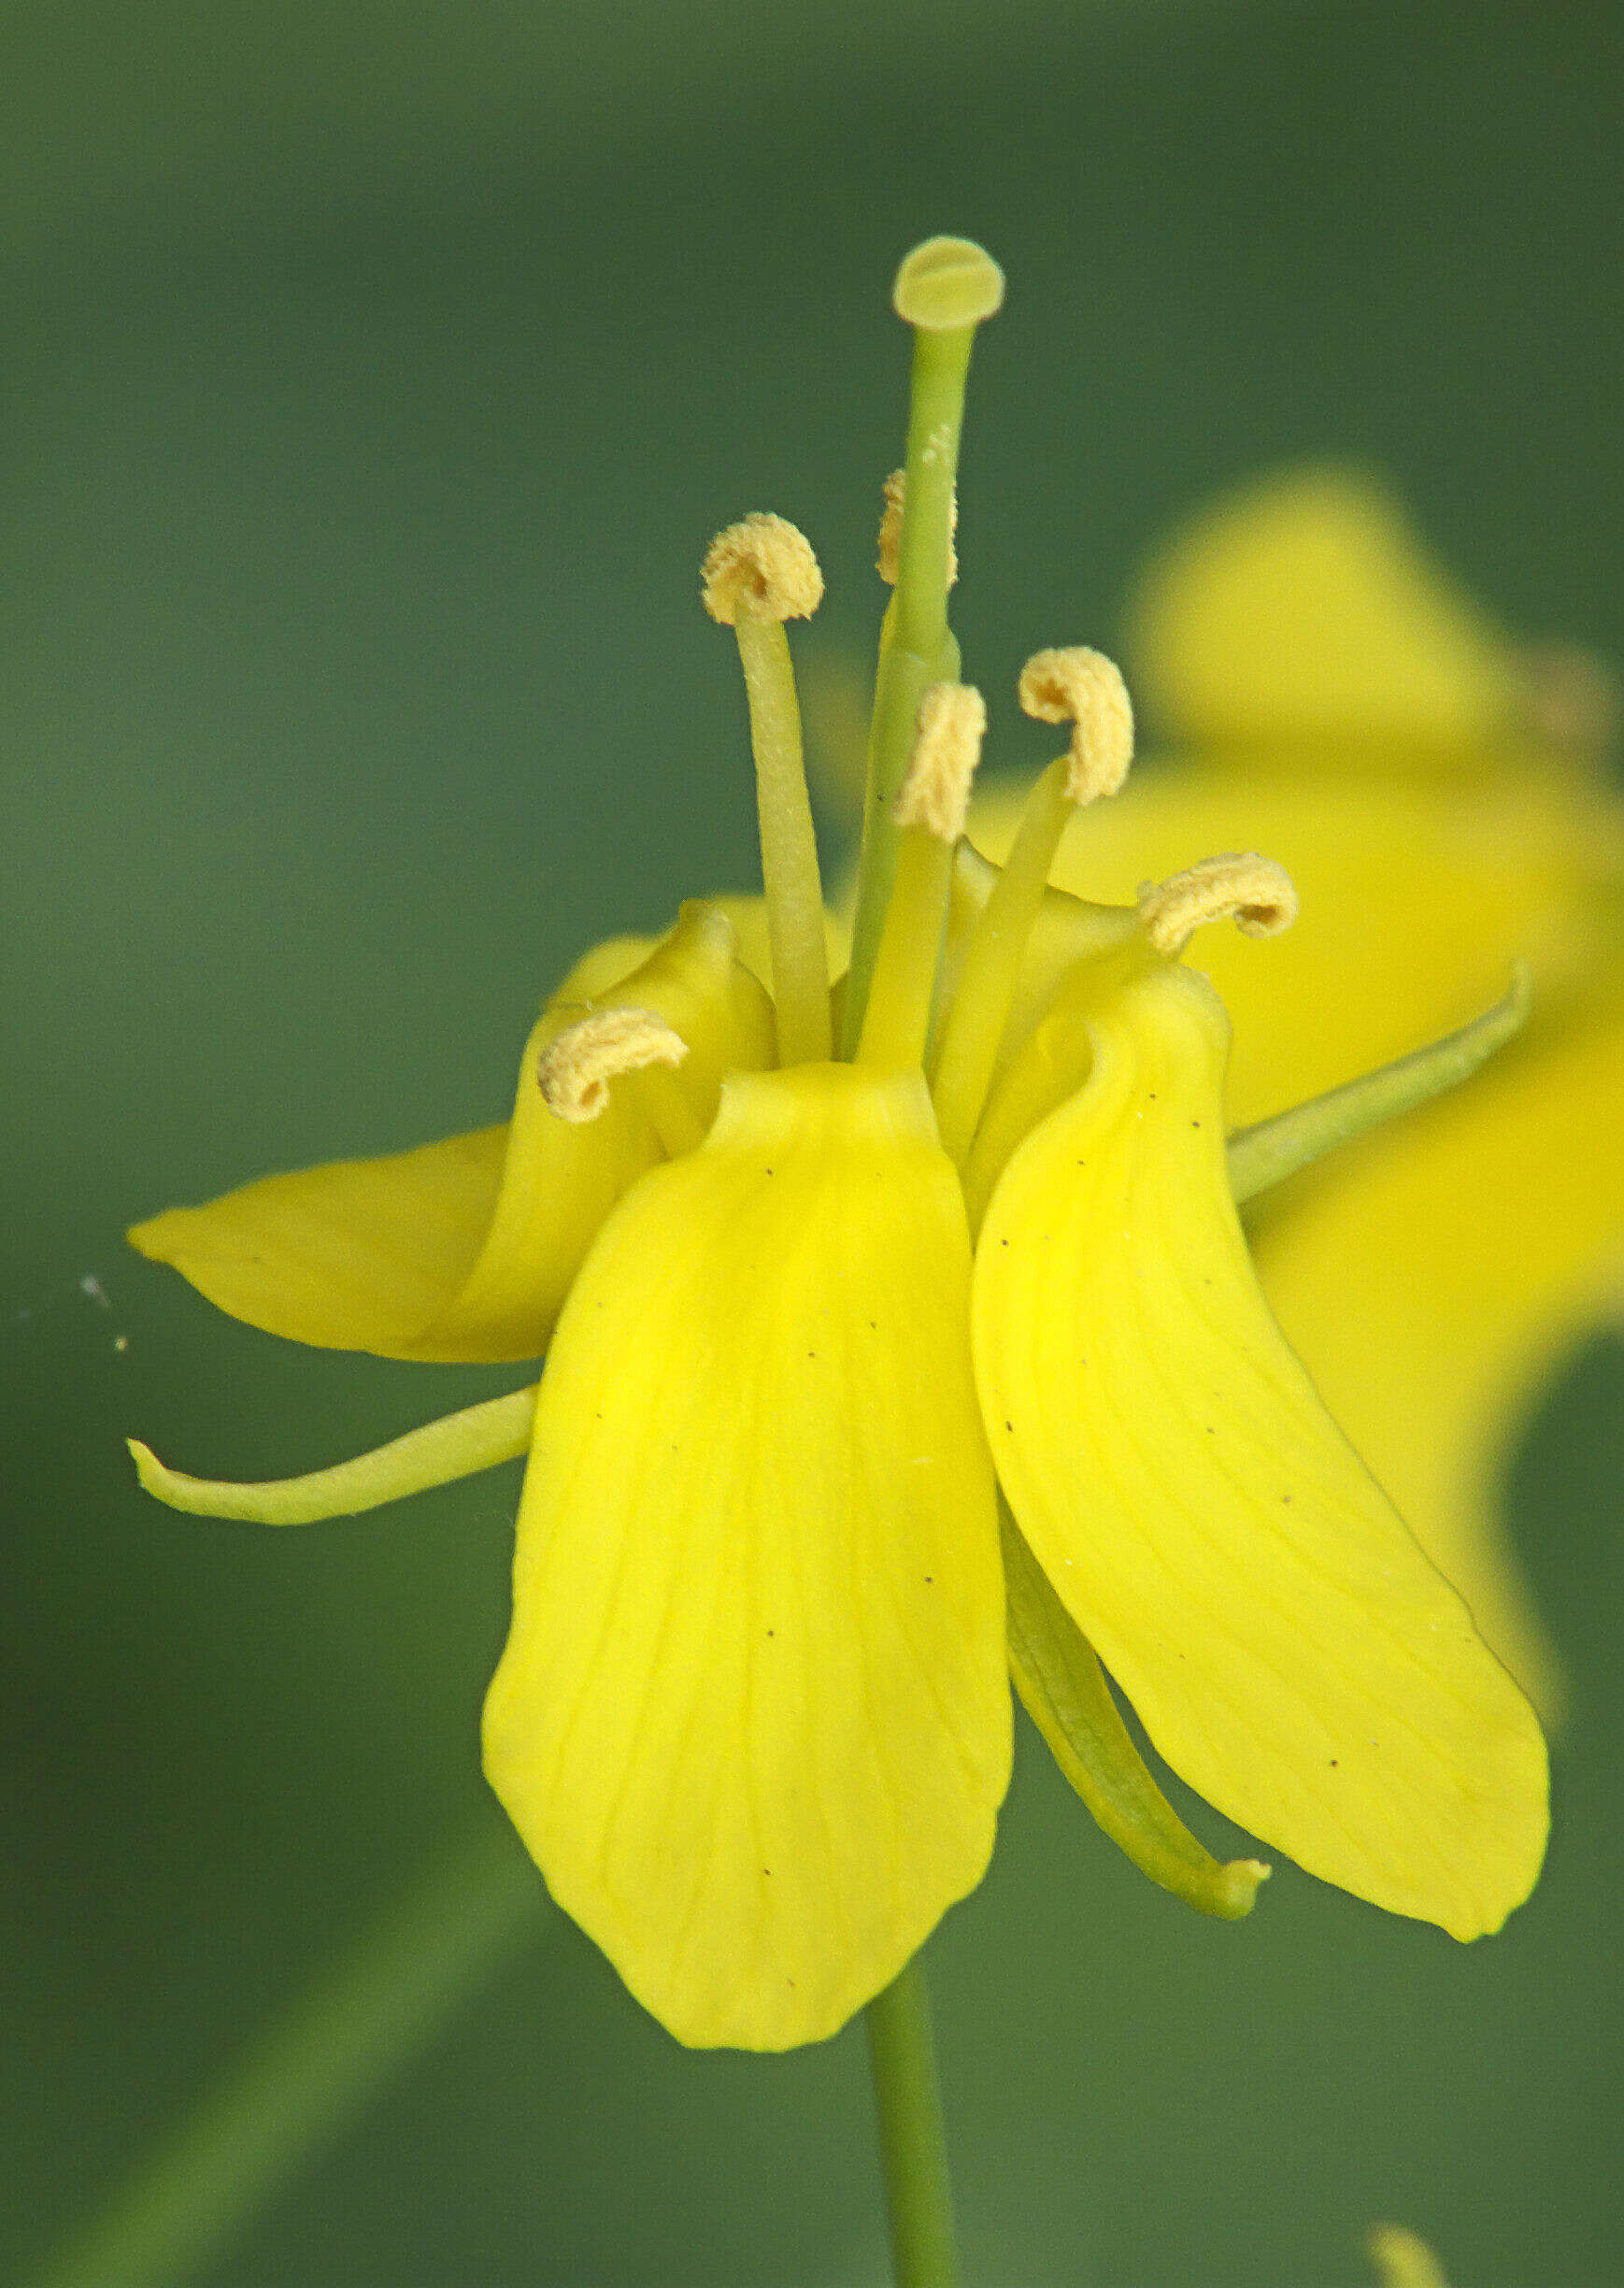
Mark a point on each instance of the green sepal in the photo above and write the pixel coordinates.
(1063, 1690)
(475, 1439)
(1264, 1155)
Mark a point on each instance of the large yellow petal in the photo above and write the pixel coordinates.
(465, 1249)
(1288, 1647)
(1303, 611)
(752, 1719)
(1439, 1273)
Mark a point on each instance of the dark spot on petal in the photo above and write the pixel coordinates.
(1284, 1498)
(1194, 1123)
(1009, 1425)
(930, 1580)
(772, 1632)
(1333, 1763)
(1003, 1243)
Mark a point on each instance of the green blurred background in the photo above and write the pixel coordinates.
(374, 377)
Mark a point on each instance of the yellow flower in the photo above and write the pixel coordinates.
(817, 1276)
(1435, 790)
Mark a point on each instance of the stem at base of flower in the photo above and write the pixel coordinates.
(913, 2153)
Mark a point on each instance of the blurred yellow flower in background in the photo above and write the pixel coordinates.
(1437, 793)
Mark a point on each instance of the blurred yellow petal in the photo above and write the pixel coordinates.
(753, 1719)
(1288, 1648)
(1415, 898)
(1439, 1273)
(1304, 612)
(476, 1438)
(1402, 2259)
(465, 1249)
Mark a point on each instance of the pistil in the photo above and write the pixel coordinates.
(944, 289)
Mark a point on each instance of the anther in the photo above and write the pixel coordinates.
(1254, 889)
(890, 530)
(948, 283)
(760, 568)
(935, 795)
(1084, 688)
(574, 1072)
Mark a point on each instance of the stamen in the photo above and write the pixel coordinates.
(1084, 687)
(935, 795)
(931, 809)
(758, 574)
(575, 1071)
(890, 530)
(944, 289)
(760, 568)
(1254, 889)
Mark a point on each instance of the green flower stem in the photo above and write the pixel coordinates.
(918, 648)
(913, 2153)
(312, 2072)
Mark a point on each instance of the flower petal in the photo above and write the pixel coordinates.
(753, 1720)
(1289, 1649)
(1439, 1278)
(465, 1249)
(1304, 610)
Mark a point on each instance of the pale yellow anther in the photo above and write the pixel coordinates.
(1084, 688)
(1255, 892)
(935, 795)
(890, 530)
(760, 568)
(575, 1071)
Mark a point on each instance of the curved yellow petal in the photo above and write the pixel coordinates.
(465, 1249)
(1438, 1274)
(752, 1720)
(1416, 899)
(1303, 611)
(1289, 1649)
(476, 1438)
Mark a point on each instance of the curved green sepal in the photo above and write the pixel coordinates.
(1264, 1155)
(476, 1439)
(1063, 1690)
